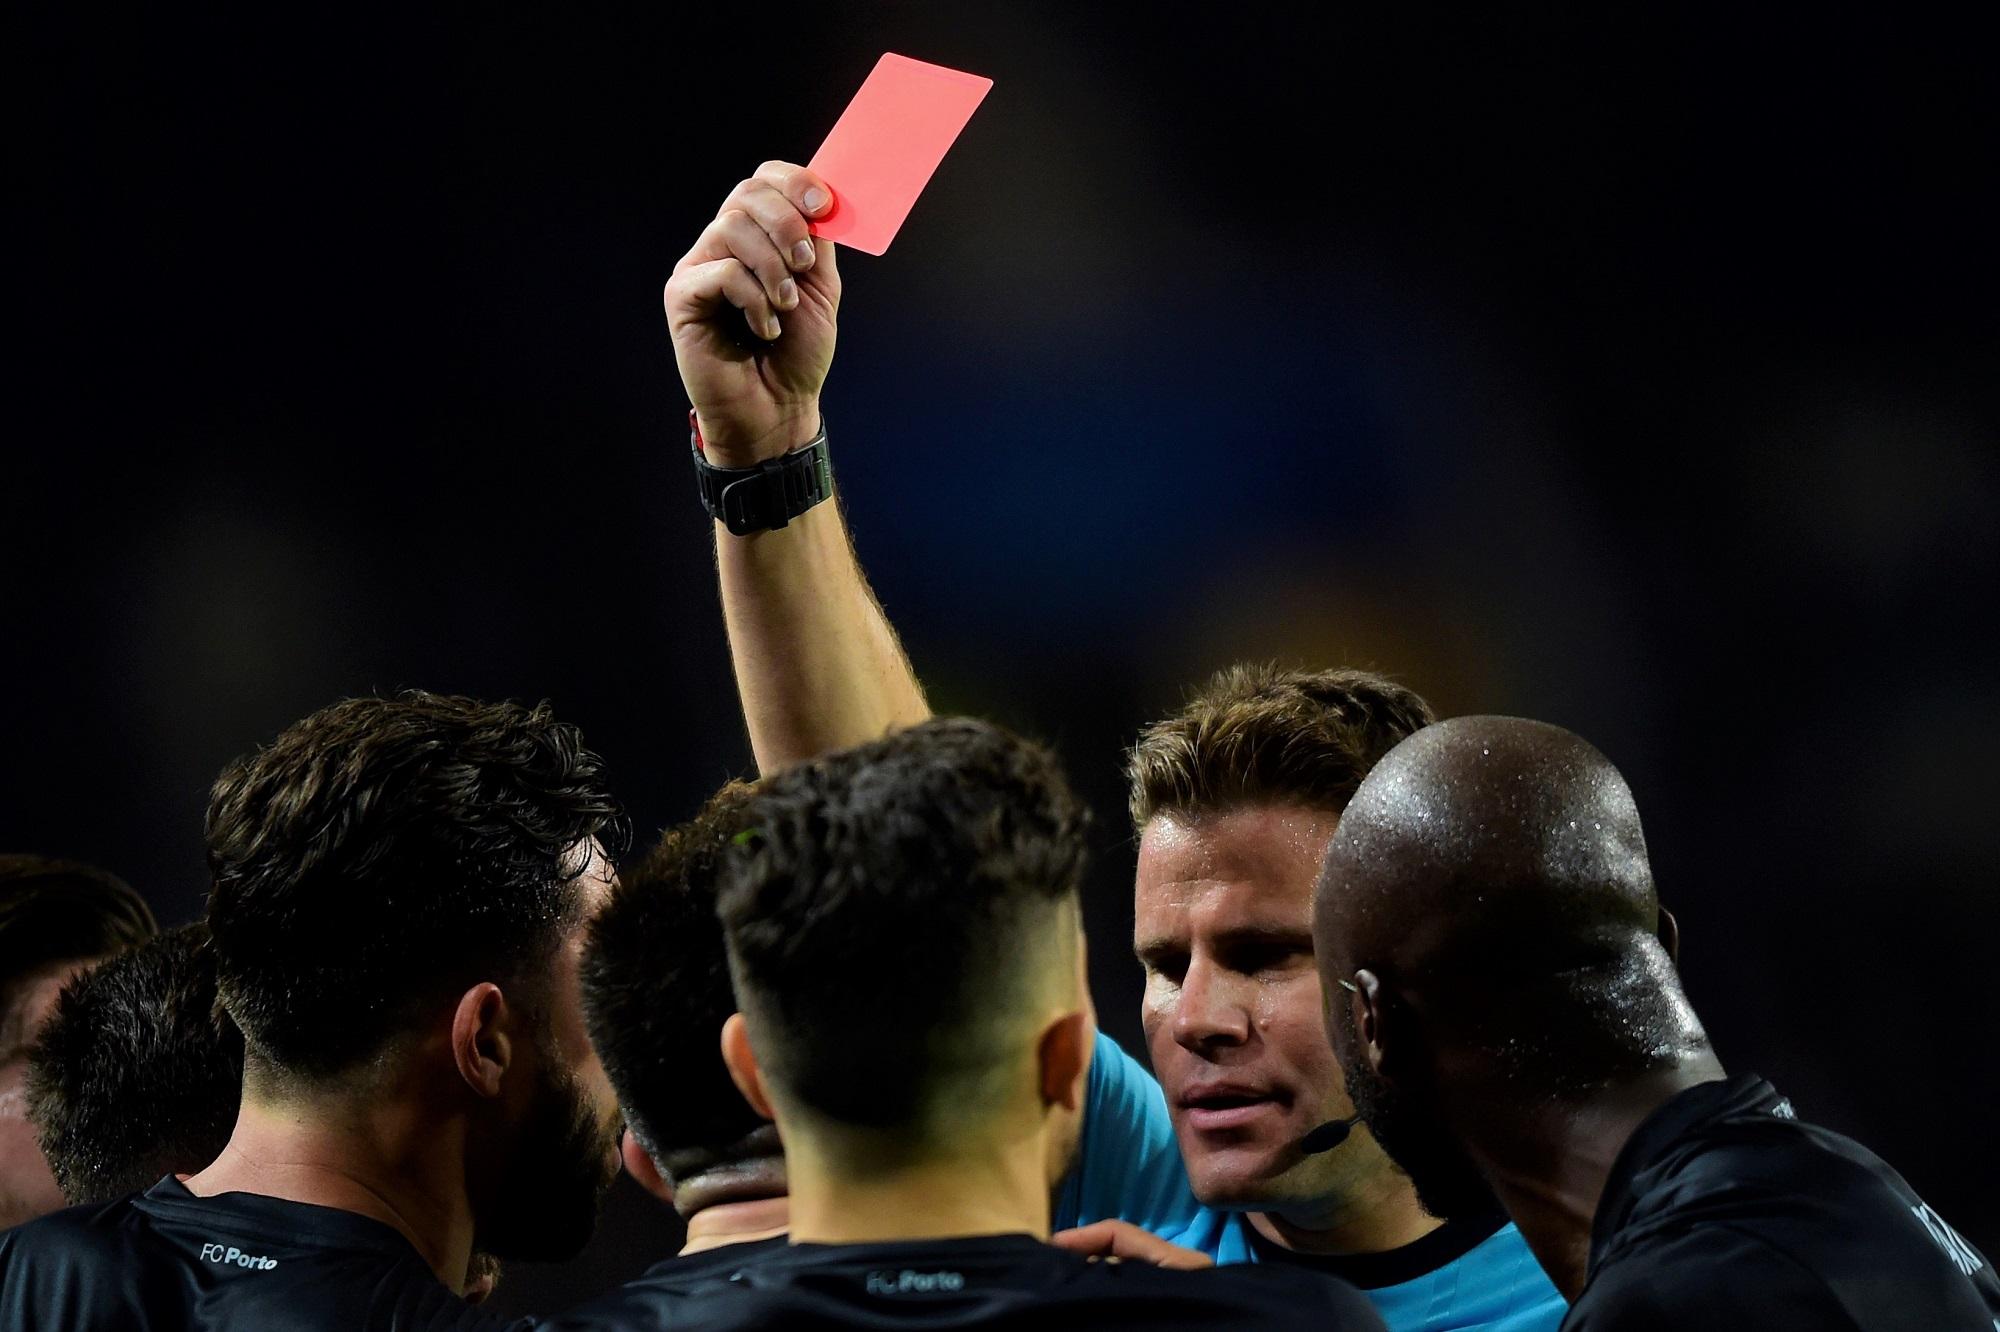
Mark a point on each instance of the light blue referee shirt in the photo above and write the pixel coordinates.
(1463, 1275)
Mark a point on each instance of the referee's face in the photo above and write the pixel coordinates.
(1223, 928)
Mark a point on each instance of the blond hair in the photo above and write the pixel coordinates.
(1259, 732)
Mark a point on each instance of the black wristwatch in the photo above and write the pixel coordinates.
(769, 495)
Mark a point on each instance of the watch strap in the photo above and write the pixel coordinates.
(768, 496)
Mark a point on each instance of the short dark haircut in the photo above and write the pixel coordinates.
(55, 910)
(385, 853)
(656, 991)
(136, 1074)
(886, 907)
(1260, 732)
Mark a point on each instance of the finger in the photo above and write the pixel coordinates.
(812, 195)
(738, 235)
(1177, 1258)
(781, 220)
(1096, 1239)
(698, 291)
(1121, 1239)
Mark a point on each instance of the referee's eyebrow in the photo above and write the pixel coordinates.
(1237, 938)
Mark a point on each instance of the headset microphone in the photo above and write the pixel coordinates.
(1328, 1135)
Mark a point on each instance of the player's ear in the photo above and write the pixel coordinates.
(1670, 936)
(480, 1044)
(1064, 1054)
(741, 1062)
(1372, 1022)
(642, 1170)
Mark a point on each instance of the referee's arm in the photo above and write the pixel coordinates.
(752, 309)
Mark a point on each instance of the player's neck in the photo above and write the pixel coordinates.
(1550, 1168)
(1371, 1215)
(737, 1223)
(736, 1202)
(991, 1188)
(382, 1159)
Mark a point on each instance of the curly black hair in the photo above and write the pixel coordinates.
(135, 1074)
(890, 899)
(385, 852)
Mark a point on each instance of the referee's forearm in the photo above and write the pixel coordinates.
(818, 666)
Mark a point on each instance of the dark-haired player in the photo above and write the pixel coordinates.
(399, 893)
(906, 944)
(135, 1075)
(1233, 800)
(56, 917)
(656, 992)
(1503, 996)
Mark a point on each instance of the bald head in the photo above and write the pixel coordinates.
(1484, 831)
(1492, 871)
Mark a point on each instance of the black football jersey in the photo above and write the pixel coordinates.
(166, 1260)
(1725, 1211)
(998, 1281)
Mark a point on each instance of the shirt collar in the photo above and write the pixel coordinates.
(1372, 1271)
(310, 1222)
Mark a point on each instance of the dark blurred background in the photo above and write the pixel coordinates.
(1636, 373)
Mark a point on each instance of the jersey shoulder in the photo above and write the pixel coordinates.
(1765, 1202)
(1712, 1275)
(89, 1224)
(660, 1296)
(65, 1265)
(130, 1265)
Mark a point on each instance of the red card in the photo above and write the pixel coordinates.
(887, 144)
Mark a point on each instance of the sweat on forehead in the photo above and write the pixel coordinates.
(1481, 831)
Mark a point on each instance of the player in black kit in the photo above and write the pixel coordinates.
(906, 943)
(135, 1075)
(57, 917)
(400, 887)
(1501, 990)
(656, 991)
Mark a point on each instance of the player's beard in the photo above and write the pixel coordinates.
(1448, 1184)
(564, 1162)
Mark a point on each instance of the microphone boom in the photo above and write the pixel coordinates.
(1328, 1135)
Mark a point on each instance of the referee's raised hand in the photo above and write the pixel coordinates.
(752, 312)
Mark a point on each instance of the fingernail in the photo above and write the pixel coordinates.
(802, 255)
(771, 329)
(788, 293)
(816, 200)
